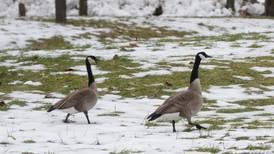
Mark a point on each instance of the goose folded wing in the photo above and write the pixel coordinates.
(72, 99)
(175, 103)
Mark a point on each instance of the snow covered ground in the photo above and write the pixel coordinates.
(118, 121)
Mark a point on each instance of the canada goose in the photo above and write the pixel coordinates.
(183, 104)
(82, 100)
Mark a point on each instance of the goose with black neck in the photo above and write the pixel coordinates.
(82, 100)
(183, 104)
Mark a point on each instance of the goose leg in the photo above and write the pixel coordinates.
(86, 114)
(173, 126)
(66, 120)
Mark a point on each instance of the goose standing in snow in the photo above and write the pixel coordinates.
(82, 100)
(183, 104)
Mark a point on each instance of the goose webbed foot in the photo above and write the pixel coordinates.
(66, 121)
(198, 126)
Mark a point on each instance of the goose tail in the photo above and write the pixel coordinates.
(51, 109)
(153, 116)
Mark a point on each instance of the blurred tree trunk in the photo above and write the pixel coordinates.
(230, 5)
(60, 11)
(22, 10)
(269, 7)
(83, 10)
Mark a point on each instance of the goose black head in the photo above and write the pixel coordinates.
(202, 55)
(92, 59)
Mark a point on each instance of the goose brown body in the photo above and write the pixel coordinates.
(186, 103)
(81, 100)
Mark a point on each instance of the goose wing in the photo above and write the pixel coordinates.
(176, 103)
(72, 99)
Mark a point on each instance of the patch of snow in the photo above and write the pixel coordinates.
(57, 95)
(43, 53)
(243, 77)
(100, 80)
(10, 63)
(230, 93)
(33, 83)
(82, 70)
(125, 76)
(34, 68)
(15, 82)
(153, 72)
(254, 9)
(26, 96)
(263, 69)
(179, 69)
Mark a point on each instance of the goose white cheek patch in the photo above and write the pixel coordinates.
(92, 61)
(202, 56)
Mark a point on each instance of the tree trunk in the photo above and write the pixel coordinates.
(269, 7)
(60, 11)
(230, 5)
(83, 10)
(22, 10)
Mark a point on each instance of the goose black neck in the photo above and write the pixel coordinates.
(195, 70)
(90, 75)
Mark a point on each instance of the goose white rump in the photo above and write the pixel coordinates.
(169, 117)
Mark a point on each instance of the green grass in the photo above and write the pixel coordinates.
(242, 138)
(18, 103)
(216, 76)
(132, 87)
(259, 147)
(256, 102)
(4, 143)
(52, 43)
(219, 122)
(254, 46)
(29, 141)
(123, 31)
(208, 149)
(209, 27)
(125, 152)
(262, 137)
(62, 82)
(258, 124)
(265, 114)
(238, 110)
(215, 123)
(151, 124)
(4, 108)
(112, 114)
(43, 107)
(13, 102)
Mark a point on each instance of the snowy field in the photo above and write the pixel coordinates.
(141, 62)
